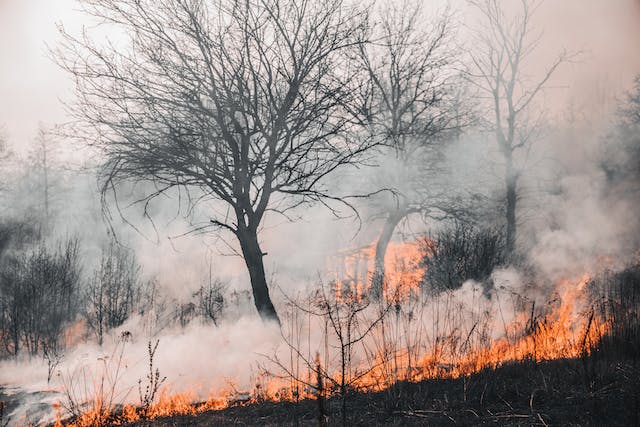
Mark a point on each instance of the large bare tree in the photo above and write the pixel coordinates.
(244, 102)
(411, 110)
(501, 53)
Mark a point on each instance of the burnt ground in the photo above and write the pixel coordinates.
(25, 406)
(576, 392)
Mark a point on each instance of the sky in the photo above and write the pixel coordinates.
(31, 85)
(607, 33)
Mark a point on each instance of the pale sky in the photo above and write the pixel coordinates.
(607, 31)
(30, 83)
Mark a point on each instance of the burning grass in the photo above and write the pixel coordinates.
(340, 344)
(521, 393)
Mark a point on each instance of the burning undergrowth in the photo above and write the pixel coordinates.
(457, 274)
(339, 339)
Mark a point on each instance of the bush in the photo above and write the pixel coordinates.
(17, 234)
(459, 253)
(620, 306)
(38, 298)
(210, 300)
(113, 292)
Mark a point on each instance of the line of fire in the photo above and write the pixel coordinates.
(319, 213)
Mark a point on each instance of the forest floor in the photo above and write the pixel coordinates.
(569, 392)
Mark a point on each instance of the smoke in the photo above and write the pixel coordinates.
(603, 34)
(198, 359)
(569, 218)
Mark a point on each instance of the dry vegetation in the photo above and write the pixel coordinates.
(380, 364)
(247, 109)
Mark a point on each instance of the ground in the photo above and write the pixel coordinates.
(569, 392)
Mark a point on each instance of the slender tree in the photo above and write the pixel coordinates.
(43, 160)
(411, 110)
(3, 141)
(500, 52)
(244, 102)
(5, 157)
(621, 149)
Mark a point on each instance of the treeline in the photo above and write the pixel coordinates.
(337, 112)
(38, 296)
(51, 297)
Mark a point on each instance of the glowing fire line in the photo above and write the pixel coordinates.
(564, 332)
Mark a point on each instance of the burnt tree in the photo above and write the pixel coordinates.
(246, 103)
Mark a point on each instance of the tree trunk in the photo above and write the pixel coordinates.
(253, 259)
(511, 181)
(390, 224)
(16, 341)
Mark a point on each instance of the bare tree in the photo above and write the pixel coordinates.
(44, 153)
(42, 160)
(38, 297)
(347, 319)
(500, 52)
(210, 299)
(244, 102)
(33, 183)
(630, 107)
(113, 292)
(5, 156)
(3, 142)
(411, 108)
(621, 156)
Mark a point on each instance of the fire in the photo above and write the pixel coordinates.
(353, 269)
(74, 334)
(421, 337)
(565, 332)
(168, 404)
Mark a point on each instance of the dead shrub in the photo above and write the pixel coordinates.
(459, 253)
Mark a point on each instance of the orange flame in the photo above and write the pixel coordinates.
(566, 328)
(352, 270)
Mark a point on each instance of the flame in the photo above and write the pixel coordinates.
(403, 349)
(168, 404)
(75, 334)
(352, 270)
(565, 332)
